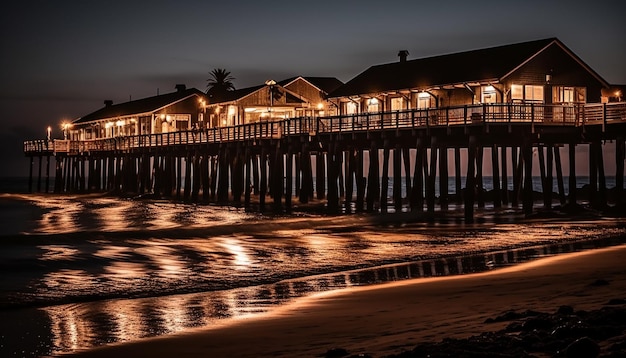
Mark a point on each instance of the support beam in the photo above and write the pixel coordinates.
(431, 177)
(397, 177)
(417, 193)
(457, 175)
(470, 184)
(527, 200)
(385, 177)
(620, 156)
(505, 179)
(373, 184)
(443, 176)
(559, 175)
(495, 177)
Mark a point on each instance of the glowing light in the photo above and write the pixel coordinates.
(240, 257)
(168, 118)
(489, 89)
(249, 109)
(320, 106)
(423, 95)
(373, 101)
(231, 110)
(108, 125)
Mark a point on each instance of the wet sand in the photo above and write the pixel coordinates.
(395, 317)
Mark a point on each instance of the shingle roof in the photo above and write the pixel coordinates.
(233, 95)
(326, 84)
(477, 65)
(140, 106)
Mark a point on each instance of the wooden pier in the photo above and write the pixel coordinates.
(346, 161)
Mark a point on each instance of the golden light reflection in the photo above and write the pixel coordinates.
(241, 258)
(76, 279)
(59, 216)
(173, 314)
(112, 215)
(57, 252)
(125, 270)
(171, 265)
(128, 318)
(68, 327)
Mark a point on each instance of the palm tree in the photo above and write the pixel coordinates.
(220, 82)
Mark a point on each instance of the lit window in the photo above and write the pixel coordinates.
(563, 95)
(351, 108)
(488, 94)
(517, 92)
(373, 105)
(423, 100)
(533, 93)
(397, 104)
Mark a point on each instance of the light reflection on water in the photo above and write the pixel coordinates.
(107, 270)
(91, 324)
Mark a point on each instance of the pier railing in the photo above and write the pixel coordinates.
(501, 113)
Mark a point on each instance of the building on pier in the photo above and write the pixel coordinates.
(542, 72)
(177, 111)
(290, 98)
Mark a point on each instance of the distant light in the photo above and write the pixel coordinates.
(423, 95)
(231, 110)
(249, 109)
(373, 101)
(119, 123)
(490, 88)
(320, 106)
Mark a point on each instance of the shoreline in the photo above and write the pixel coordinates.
(394, 317)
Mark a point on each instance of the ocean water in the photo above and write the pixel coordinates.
(78, 271)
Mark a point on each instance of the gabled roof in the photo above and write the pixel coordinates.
(494, 63)
(230, 96)
(140, 106)
(325, 84)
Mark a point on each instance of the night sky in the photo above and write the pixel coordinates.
(61, 59)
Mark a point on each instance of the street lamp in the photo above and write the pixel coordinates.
(271, 84)
(65, 127)
(202, 115)
(49, 131)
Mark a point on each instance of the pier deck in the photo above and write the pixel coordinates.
(263, 158)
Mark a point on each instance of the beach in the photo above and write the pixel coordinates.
(394, 317)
